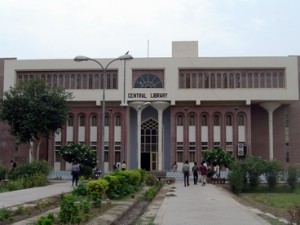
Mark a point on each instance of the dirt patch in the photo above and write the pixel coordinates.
(133, 214)
(30, 209)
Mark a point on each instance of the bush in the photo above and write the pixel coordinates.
(69, 211)
(96, 189)
(272, 170)
(46, 220)
(80, 189)
(293, 175)
(122, 183)
(3, 172)
(150, 180)
(29, 169)
(254, 168)
(150, 193)
(5, 214)
(236, 178)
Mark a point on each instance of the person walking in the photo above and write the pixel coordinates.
(75, 173)
(203, 173)
(123, 166)
(195, 173)
(186, 173)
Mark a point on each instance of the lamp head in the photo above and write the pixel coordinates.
(81, 58)
(126, 57)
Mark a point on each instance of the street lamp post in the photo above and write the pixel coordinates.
(84, 58)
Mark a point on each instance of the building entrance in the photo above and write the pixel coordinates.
(149, 144)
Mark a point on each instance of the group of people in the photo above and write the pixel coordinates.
(205, 169)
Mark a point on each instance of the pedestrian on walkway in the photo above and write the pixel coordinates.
(75, 173)
(123, 166)
(195, 173)
(203, 173)
(186, 173)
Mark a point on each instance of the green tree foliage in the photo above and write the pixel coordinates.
(218, 156)
(79, 153)
(33, 110)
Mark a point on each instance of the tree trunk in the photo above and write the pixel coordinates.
(30, 151)
(38, 149)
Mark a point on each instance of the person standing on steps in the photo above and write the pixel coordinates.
(195, 173)
(186, 173)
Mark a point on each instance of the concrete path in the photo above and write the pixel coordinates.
(203, 205)
(14, 198)
(192, 205)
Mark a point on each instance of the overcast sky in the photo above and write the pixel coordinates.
(42, 29)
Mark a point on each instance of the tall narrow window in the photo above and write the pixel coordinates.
(70, 121)
(94, 121)
(241, 120)
(106, 120)
(192, 120)
(216, 120)
(81, 121)
(179, 120)
(117, 121)
(204, 120)
(188, 81)
(228, 120)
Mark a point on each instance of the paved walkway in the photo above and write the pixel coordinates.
(203, 205)
(192, 205)
(14, 198)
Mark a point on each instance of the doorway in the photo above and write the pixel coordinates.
(149, 144)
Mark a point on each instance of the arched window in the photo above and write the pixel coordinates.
(70, 121)
(151, 81)
(188, 81)
(94, 121)
(241, 120)
(179, 120)
(117, 121)
(217, 120)
(81, 121)
(228, 120)
(204, 120)
(192, 120)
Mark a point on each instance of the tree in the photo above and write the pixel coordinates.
(82, 154)
(218, 157)
(33, 110)
(79, 153)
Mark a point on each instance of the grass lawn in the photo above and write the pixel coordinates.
(276, 202)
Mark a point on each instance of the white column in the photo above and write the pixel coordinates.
(160, 107)
(139, 107)
(270, 107)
